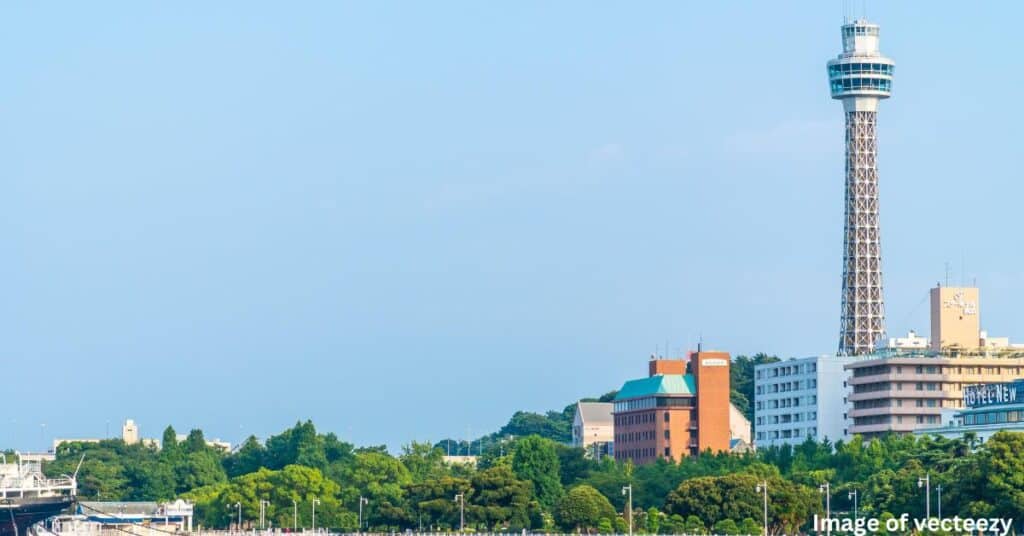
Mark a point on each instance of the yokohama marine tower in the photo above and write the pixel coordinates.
(861, 77)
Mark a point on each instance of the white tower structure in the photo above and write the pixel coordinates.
(860, 77)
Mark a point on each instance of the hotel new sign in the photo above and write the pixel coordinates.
(993, 393)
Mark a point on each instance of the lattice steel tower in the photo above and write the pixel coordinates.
(861, 77)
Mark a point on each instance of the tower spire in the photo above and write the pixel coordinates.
(860, 77)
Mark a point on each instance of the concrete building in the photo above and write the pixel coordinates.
(989, 408)
(593, 428)
(798, 399)
(899, 390)
(680, 409)
(130, 432)
(739, 426)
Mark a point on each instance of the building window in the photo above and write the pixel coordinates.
(666, 434)
(666, 416)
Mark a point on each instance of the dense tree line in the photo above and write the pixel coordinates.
(534, 482)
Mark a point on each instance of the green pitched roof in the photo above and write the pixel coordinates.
(662, 384)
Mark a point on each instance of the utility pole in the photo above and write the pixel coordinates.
(239, 506)
(362, 501)
(827, 490)
(295, 515)
(763, 488)
(315, 502)
(263, 513)
(853, 495)
(939, 503)
(926, 481)
(628, 489)
(461, 499)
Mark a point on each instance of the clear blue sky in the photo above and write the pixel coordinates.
(406, 220)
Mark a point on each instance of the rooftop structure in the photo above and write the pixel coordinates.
(860, 77)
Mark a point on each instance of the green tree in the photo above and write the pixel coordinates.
(536, 461)
(499, 500)
(583, 508)
(423, 461)
(750, 527)
(653, 521)
(726, 526)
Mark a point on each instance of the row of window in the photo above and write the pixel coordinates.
(637, 454)
(786, 387)
(641, 418)
(840, 69)
(994, 417)
(936, 369)
(898, 419)
(630, 437)
(852, 31)
(794, 402)
(652, 402)
(787, 434)
(855, 84)
(786, 419)
(946, 387)
(787, 370)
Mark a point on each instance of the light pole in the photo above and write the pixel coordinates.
(461, 499)
(315, 502)
(295, 515)
(239, 506)
(263, 513)
(362, 501)
(939, 502)
(629, 505)
(763, 488)
(853, 495)
(827, 490)
(926, 482)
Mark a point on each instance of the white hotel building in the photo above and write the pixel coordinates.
(800, 398)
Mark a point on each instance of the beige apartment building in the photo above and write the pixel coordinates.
(901, 389)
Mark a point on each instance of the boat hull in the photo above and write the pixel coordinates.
(17, 514)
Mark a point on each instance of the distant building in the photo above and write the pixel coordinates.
(898, 390)
(593, 428)
(130, 432)
(673, 413)
(989, 408)
(798, 399)
(739, 425)
(460, 460)
(216, 443)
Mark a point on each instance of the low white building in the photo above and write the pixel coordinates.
(593, 428)
(800, 398)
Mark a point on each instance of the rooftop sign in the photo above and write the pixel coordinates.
(992, 394)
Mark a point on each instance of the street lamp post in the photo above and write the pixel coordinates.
(628, 489)
(926, 482)
(763, 488)
(853, 495)
(239, 506)
(263, 513)
(461, 499)
(826, 489)
(295, 515)
(315, 502)
(939, 501)
(362, 501)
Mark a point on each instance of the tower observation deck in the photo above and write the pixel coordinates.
(860, 77)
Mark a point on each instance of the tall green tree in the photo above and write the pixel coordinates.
(536, 461)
